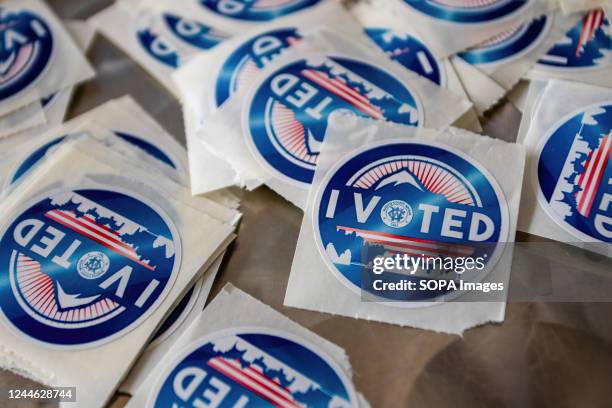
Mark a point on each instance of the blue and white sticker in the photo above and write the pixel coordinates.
(186, 31)
(39, 153)
(253, 367)
(256, 10)
(84, 266)
(410, 52)
(467, 11)
(26, 47)
(242, 66)
(509, 45)
(407, 198)
(574, 173)
(286, 115)
(588, 45)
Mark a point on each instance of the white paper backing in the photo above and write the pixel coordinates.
(533, 218)
(67, 65)
(439, 108)
(313, 286)
(232, 308)
(70, 166)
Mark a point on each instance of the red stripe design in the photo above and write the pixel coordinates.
(87, 227)
(253, 379)
(590, 23)
(590, 178)
(408, 244)
(466, 3)
(435, 179)
(38, 290)
(246, 75)
(290, 133)
(22, 59)
(338, 87)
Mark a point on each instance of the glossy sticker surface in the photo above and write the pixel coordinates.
(243, 65)
(574, 173)
(26, 46)
(410, 52)
(407, 198)
(509, 45)
(467, 11)
(81, 267)
(253, 368)
(287, 114)
(588, 45)
(256, 10)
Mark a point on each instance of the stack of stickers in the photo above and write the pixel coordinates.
(396, 175)
(41, 61)
(367, 118)
(105, 249)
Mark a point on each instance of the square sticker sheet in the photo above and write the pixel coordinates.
(567, 194)
(42, 57)
(122, 249)
(384, 189)
(240, 351)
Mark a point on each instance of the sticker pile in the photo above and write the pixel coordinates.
(367, 115)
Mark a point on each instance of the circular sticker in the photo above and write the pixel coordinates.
(25, 50)
(467, 11)
(192, 32)
(509, 45)
(83, 267)
(286, 114)
(574, 173)
(256, 10)
(419, 200)
(244, 64)
(33, 158)
(587, 45)
(253, 368)
(410, 52)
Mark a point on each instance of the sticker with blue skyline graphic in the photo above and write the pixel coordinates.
(400, 198)
(287, 112)
(82, 267)
(253, 368)
(574, 173)
(587, 45)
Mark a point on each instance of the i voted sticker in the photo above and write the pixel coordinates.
(26, 47)
(467, 11)
(408, 51)
(242, 66)
(182, 31)
(286, 115)
(509, 45)
(255, 10)
(39, 153)
(82, 267)
(588, 45)
(574, 173)
(253, 368)
(414, 199)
